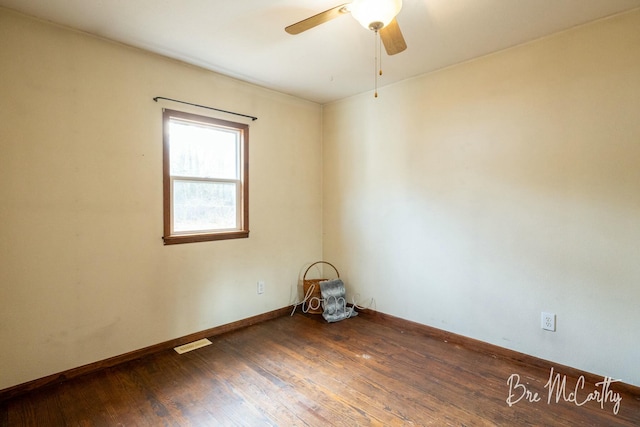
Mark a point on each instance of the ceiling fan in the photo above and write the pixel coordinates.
(376, 15)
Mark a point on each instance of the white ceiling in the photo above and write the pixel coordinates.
(246, 38)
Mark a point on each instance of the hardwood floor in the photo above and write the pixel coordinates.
(302, 371)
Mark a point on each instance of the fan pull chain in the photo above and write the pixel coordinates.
(380, 52)
(377, 48)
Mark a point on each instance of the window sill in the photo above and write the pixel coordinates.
(193, 238)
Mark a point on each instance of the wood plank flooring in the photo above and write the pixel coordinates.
(302, 371)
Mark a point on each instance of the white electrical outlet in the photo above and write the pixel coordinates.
(548, 321)
(261, 287)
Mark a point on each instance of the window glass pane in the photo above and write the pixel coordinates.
(200, 206)
(203, 151)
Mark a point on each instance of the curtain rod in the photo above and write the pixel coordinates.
(204, 106)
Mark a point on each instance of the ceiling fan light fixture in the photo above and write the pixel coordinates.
(375, 14)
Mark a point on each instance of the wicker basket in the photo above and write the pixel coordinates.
(311, 289)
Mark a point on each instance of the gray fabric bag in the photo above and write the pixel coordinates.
(334, 301)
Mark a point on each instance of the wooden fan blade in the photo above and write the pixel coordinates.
(315, 20)
(392, 38)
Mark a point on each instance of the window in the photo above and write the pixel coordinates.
(206, 173)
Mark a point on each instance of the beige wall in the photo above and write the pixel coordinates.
(474, 198)
(470, 199)
(83, 273)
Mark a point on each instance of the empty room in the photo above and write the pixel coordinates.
(382, 212)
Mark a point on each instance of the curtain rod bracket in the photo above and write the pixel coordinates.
(208, 108)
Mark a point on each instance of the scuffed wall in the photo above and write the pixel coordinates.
(474, 198)
(84, 274)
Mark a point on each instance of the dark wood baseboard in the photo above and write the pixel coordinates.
(382, 318)
(137, 354)
(301, 370)
(487, 348)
